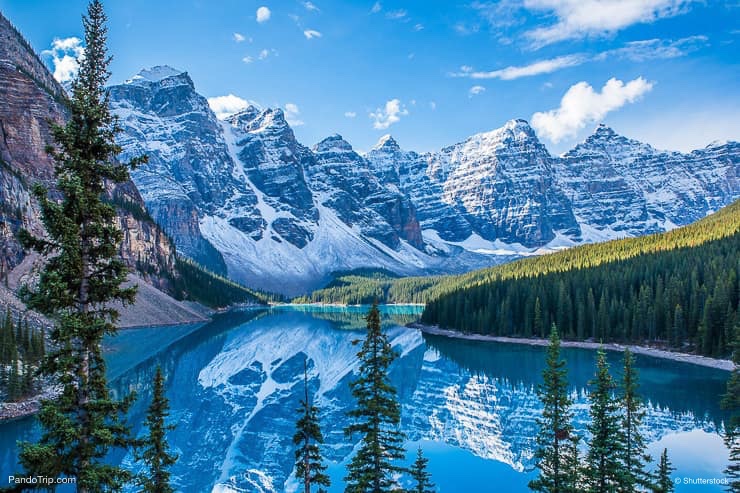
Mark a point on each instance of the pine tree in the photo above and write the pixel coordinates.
(153, 448)
(603, 469)
(81, 279)
(634, 457)
(556, 429)
(664, 483)
(731, 402)
(573, 469)
(420, 475)
(376, 417)
(309, 464)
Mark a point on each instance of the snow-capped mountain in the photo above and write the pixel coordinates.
(283, 216)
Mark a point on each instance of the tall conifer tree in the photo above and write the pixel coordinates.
(81, 279)
(377, 416)
(153, 448)
(633, 452)
(555, 439)
(603, 471)
(310, 468)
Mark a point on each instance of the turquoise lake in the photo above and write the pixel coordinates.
(234, 385)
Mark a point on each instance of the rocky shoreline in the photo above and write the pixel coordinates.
(720, 364)
(31, 405)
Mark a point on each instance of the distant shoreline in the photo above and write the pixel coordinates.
(719, 364)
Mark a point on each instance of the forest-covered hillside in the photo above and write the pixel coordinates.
(680, 288)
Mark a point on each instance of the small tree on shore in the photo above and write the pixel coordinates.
(603, 472)
(153, 448)
(663, 481)
(310, 467)
(634, 458)
(556, 455)
(421, 477)
(731, 402)
(377, 416)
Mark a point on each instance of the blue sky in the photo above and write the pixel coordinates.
(434, 72)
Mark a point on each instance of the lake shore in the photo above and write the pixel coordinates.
(720, 364)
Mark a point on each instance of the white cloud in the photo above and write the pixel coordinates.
(65, 54)
(350, 114)
(476, 90)
(581, 105)
(636, 51)
(652, 49)
(263, 54)
(418, 27)
(396, 14)
(224, 106)
(465, 29)
(433, 105)
(292, 115)
(310, 34)
(263, 14)
(377, 7)
(247, 59)
(238, 37)
(311, 6)
(388, 115)
(514, 72)
(578, 19)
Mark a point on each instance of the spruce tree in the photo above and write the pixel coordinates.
(634, 458)
(420, 475)
(731, 402)
(555, 439)
(153, 449)
(663, 481)
(573, 468)
(309, 464)
(81, 279)
(603, 471)
(376, 417)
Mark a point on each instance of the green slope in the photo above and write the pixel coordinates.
(357, 287)
(678, 289)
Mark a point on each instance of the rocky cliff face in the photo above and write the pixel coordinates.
(284, 216)
(189, 168)
(504, 182)
(348, 185)
(621, 186)
(30, 98)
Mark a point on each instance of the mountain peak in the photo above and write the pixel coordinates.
(388, 143)
(156, 73)
(517, 123)
(604, 131)
(245, 116)
(334, 143)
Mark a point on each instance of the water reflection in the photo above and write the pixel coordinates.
(234, 385)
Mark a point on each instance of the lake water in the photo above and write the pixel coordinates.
(234, 385)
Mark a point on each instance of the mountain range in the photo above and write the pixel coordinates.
(244, 198)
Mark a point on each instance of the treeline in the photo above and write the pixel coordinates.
(195, 283)
(360, 289)
(365, 286)
(685, 299)
(21, 351)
